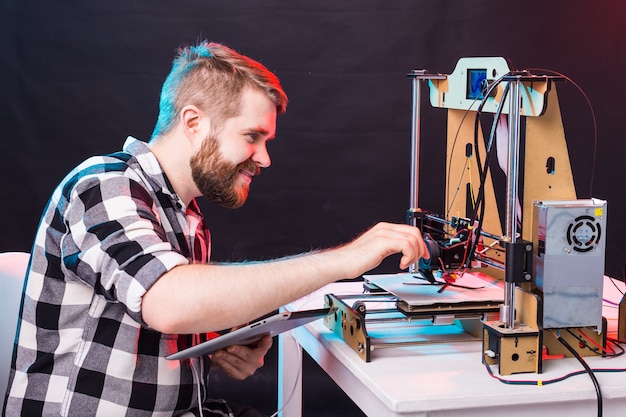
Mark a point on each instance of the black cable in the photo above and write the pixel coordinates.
(452, 148)
(486, 94)
(616, 344)
(587, 368)
(542, 382)
(480, 199)
(593, 116)
(615, 285)
(583, 342)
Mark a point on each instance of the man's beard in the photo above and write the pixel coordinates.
(216, 177)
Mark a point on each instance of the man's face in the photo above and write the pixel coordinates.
(224, 166)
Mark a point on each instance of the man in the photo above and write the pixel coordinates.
(119, 276)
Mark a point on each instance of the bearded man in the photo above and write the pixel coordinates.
(120, 275)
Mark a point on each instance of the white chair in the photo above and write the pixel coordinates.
(12, 273)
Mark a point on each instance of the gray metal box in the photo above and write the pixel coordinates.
(569, 253)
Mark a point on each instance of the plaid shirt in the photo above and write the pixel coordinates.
(111, 229)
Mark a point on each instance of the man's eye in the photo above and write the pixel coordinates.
(253, 136)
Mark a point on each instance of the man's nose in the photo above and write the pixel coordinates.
(261, 156)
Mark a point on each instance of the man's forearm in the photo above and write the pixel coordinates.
(201, 298)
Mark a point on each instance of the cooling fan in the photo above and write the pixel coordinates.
(584, 233)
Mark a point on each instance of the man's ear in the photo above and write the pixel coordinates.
(190, 116)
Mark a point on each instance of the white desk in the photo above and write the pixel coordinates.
(442, 379)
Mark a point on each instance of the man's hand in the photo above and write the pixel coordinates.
(239, 362)
(368, 250)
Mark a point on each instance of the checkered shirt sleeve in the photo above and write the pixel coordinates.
(111, 229)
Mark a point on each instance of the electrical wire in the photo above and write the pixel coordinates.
(192, 363)
(584, 340)
(481, 103)
(442, 284)
(592, 375)
(476, 202)
(616, 286)
(605, 350)
(297, 379)
(456, 137)
(587, 369)
(471, 182)
(480, 200)
(615, 344)
(541, 382)
(478, 205)
(593, 116)
(610, 303)
(458, 185)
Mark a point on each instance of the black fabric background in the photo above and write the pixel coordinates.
(77, 77)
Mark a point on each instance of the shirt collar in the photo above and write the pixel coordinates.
(149, 164)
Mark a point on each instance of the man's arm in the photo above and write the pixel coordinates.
(201, 298)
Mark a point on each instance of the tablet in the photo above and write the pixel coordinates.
(272, 325)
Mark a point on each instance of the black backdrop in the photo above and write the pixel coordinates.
(78, 76)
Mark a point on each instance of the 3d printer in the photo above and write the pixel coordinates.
(544, 272)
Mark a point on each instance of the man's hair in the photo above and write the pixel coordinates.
(212, 77)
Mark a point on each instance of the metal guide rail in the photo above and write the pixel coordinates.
(381, 320)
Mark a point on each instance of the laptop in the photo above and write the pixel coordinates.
(253, 332)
